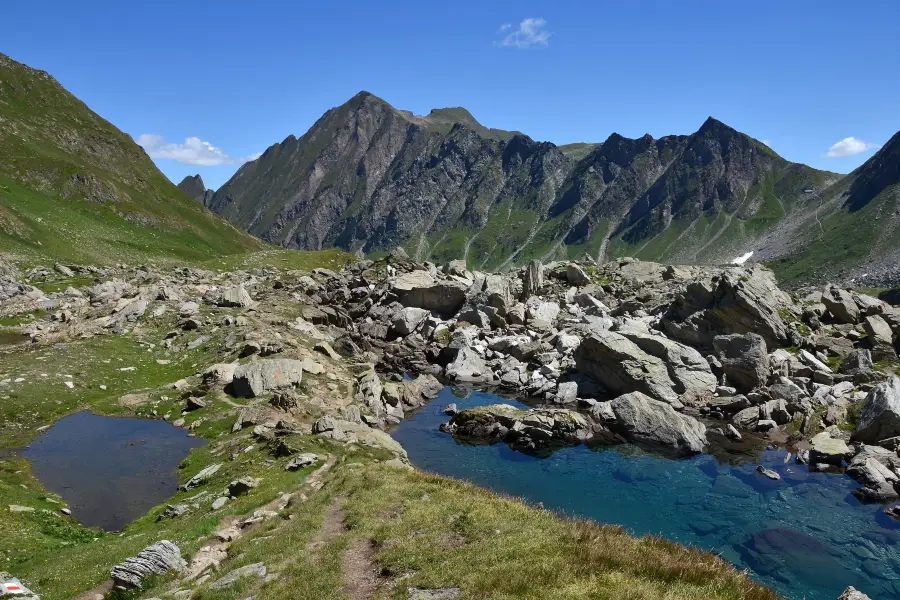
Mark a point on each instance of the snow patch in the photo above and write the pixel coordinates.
(742, 258)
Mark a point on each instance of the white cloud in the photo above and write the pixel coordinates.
(531, 32)
(850, 146)
(193, 151)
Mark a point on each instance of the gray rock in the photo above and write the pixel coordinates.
(219, 502)
(12, 587)
(468, 366)
(241, 486)
(157, 559)
(351, 432)
(253, 570)
(880, 337)
(420, 290)
(455, 267)
(434, 594)
(768, 473)
(645, 420)
(695, 382)
(812, 362)
(858, 361)
(408, 320)
(880, 416)
(575, 275)
(746, 418)
(731, 432)
(267, 375)
(566, 393)
(743, 300)
(620, 366)
(840, 304)
(201, 477)
(302, 461)
(532, 279)
(63, 270)
(172, 511)
(828, 450)
(879, 482)
(851, 593)
(744, 360)
(235, 296)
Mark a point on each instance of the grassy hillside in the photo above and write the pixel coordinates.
(75, 188)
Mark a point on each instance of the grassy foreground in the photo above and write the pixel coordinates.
(429, 532)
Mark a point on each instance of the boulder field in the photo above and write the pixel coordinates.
(667, 357)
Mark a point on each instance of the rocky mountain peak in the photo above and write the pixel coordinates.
(193, 186)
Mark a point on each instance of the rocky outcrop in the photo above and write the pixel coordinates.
(157, 559)
(522, 429)
(744, 360)
(880, 416)
(619, 365)
(738, 301)
(694, 380)
(644, 420)
(419, 289)
(266, 375)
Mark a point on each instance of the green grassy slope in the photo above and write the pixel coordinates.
(75, 188)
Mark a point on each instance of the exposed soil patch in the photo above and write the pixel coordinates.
(360, 580)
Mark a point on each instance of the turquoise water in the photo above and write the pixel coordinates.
(806, 536)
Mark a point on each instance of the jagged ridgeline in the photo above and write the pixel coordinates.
(73, 187)
(368, 176)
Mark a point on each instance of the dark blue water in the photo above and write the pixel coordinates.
(806, 536)
(110, 471)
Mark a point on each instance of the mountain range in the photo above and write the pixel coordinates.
(368, 177)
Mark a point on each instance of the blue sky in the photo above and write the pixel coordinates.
(801, 75)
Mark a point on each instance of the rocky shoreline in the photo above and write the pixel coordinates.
(659, 356)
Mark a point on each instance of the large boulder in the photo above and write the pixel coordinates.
(744, 359)
(840, 304)
(741, 300)
(872, 467)
(828, 450)
(532, 279)
(468, 366)
(262, 376)
(408, 319)
(691, 373)
(353, 433)
(235, 296)
(420, 290)
(644, 420)
(880, 337)
(156, 559)
(880, 416)
(620, 366)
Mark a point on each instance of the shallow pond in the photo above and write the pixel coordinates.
(806, 536)
(109, 470)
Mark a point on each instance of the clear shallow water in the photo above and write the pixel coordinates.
(110, 471)
(806, 536)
